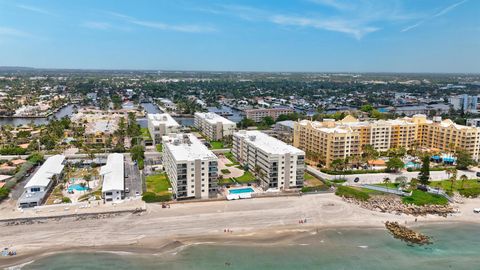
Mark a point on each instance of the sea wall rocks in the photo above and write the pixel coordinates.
(405, 234)
(393, 204)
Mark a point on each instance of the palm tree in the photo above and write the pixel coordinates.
(402, 181)
(413, 183)
(88, 178)
(463, 178)
(453, 178)
(386, 181)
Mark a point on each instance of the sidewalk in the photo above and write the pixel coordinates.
(376, 178)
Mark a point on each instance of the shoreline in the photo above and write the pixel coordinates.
(270, 221)
(162, 246)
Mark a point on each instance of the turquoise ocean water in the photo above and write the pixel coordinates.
(456, 246)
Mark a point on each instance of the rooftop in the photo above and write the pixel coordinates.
(162, 118)
(267, 143)
(53, 165)
(270, 109)
(113, 173)
(287, 123)
(214, 118)
(187, 147)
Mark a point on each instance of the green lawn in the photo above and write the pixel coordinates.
(216, 145)
(158, 184)
(389, 185)
(225, 181)
(312, 184)
(232, 159)
(423, 198)
(145, 134)
(247, 177)
(310, 180)
(159, 147)
(447, 184)
(350, 192)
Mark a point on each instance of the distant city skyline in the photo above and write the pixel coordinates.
(430, 36)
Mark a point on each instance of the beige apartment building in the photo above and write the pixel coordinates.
(330, 140)
(257, 115)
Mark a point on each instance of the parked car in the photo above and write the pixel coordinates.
(476, 210)
(478, 174)
(127, 190)
(137, 193)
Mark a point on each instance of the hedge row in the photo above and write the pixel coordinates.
(151, 197)
(469, 192)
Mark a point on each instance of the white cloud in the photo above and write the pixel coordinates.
(35, 9)
(347, 27)
(354, 27)
(438, 14)
(187, 28)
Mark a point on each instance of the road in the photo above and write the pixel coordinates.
(133, 181)
(376, 178)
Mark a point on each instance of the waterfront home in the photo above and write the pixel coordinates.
(41, 183)
(113, 177)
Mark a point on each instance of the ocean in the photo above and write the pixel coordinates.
(455, 246)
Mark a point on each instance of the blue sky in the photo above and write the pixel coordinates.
(269, 35)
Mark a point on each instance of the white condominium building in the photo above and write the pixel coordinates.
(190, 166)
(161, 124)
(214, 126)
(275, 163)
(113, 187)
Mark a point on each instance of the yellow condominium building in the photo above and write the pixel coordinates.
(330, 140)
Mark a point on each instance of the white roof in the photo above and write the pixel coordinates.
(187, 147)
(214, 118)
(4, 177)
(53, 165)
(162, 118)
(113, 173)
(268, 143)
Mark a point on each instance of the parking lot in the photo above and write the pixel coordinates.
(133, 181)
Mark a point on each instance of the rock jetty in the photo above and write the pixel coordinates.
(405, 234)
(394, 204)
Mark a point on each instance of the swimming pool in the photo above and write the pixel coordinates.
(77, 187)
(240, 190)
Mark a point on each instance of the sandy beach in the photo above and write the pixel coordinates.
(259, 221)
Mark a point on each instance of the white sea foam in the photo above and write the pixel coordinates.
(19, 266)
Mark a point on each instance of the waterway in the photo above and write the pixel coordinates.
(16, 121)
(149, 108)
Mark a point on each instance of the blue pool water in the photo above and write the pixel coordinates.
(77, 187)
(241, 190)
(412, 165)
